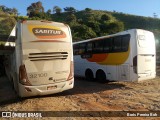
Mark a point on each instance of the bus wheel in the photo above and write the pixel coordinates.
(89, 75)
(100, 76)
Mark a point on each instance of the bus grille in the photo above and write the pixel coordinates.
(47, 56)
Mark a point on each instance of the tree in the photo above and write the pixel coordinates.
(95, 25)
(71, 18)
(15, 11)
(82, 32)
(115, 27)
(48, 11)
(7, 25)
(88, 9)
(105, 17)
(7, 10)
(70, 9)
(155, 15)
(3, 8)
(35, 9)
(57, 10)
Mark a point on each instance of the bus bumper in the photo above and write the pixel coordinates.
(149, 76)
(27, 91)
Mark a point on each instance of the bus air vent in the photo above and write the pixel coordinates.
(44, 56)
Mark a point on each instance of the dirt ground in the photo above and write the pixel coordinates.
(89, 96)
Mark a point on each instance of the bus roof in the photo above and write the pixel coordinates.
(42, 21)
(107, 36)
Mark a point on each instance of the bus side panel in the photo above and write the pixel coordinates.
(124, 72)
(112, 72)
(18, 56)
(81, 65)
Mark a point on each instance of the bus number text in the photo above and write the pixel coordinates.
(38, 75)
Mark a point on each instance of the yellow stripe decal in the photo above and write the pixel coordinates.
(115, 58)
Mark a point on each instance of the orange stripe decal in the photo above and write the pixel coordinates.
(48, 41)
(98, 57)
(110, 58)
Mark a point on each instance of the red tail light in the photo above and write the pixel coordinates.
(23, 79)
(71, 71)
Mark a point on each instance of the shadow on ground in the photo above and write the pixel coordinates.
(7, 94)
(81, 86)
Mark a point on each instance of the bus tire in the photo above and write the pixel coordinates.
(100, 76)
(89, 75)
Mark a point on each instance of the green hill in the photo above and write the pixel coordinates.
(133, 21)
(89, 23)
(129, 21)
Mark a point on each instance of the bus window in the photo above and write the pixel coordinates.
(125, 42)
(107, 45)
(98, 46)
(117, 44)
(82, 48)
(89, 47)
(76, 49)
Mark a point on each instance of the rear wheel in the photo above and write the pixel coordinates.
(101, 76)
(89, 75)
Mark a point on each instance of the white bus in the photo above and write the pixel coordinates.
(42, 60)
(125, 56)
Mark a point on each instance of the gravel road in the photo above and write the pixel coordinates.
(88, 96)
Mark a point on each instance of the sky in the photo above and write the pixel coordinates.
(134, 7)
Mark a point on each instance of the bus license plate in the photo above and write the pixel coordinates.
(51, 87)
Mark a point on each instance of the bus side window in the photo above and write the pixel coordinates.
(125, 42)
(75, 49)
(117, 44)
(107, 46)
(98, 46)
(89, 47)
(82, 48)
